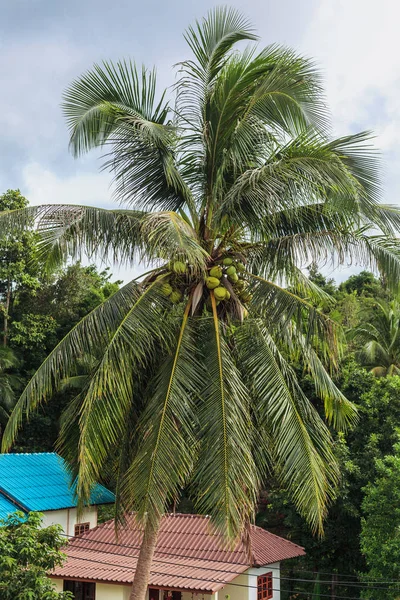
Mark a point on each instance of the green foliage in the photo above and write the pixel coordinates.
(9, 383)
(358, 453)
(32, 330)
(364, 284)
(28, 553)
(380, 541)
(19, 266)
(379, 332)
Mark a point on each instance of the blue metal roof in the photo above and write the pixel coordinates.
(41, 481)
(6, 507)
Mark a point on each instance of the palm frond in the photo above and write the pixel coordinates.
(168, 236)
(165, 432)
(279, 307)
(301, 445)
(93, 104)
(107, 399)
(304, 169)
(117, 236)
(115, 104)
(226, 479)
(95, 332)
(339, 411)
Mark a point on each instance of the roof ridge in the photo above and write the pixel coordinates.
(279, 537)
(29, 454)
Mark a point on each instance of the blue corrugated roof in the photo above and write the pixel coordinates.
(41, 482)
(6, 507)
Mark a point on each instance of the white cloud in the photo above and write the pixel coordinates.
(356, 44)
(42, 186)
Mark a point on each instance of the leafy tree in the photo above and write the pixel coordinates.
(364, 284)
(27, 553)
(39, 322)
(379, 332)
(380, 540)
(228, 194)
(9, 383)
(18, 262)
(358, 453)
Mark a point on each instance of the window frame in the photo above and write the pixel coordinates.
(78, 526)
(70, 582)
(265, 589)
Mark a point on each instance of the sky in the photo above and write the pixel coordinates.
(45, 44)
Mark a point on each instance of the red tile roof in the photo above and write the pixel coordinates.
(190, 554)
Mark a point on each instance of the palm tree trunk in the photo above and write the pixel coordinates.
(142, 573)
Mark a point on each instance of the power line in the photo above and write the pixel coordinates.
(300, 571)
(343, 584)
(241, 585)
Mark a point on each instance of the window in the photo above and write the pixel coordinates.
(81, 528)
(168, 595)
(264, 587)
(81, 589)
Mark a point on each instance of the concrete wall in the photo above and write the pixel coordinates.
(245, 587)
(110, 591)
(253, 573)
(239, 591)
(68, 518)
(106, 591)
(58, 584)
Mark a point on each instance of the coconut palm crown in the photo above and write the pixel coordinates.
(225, 193)
(380, 335)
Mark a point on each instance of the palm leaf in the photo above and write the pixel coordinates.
(226, 479)
(95, 332)
(166, 443)
(115, 104)
(301, 444)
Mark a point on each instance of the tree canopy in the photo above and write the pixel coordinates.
(28, 552)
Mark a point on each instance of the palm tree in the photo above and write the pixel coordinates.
(379, 334)
(227, 193)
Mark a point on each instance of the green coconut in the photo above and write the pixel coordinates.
(234, 277)
(176, 296)
(212, 282)
(240, 266)
(178, 267)
(216, 272)
(220, 293)
(240, 284)
(231, 270)
(227, 261)
(166, 289)
(227, 295)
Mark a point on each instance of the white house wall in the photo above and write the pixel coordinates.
(238, 591)
(68, 518)
(244, 588)
(274, 568)
(106, 591)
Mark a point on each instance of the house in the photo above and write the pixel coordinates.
(191, 562)
(42, 482)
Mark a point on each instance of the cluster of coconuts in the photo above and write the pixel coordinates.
(232, 270)
(170, 287)
(227, 268)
